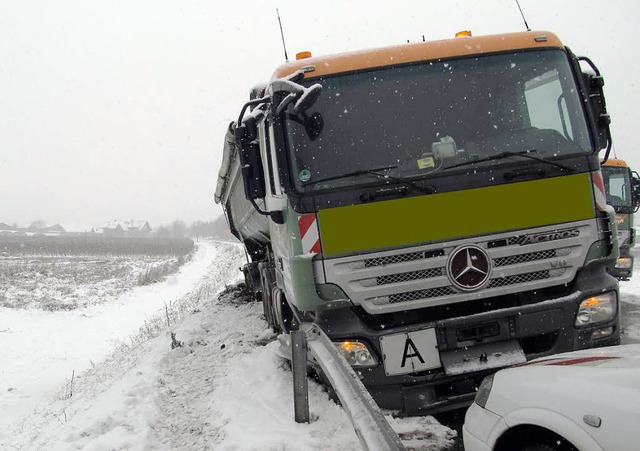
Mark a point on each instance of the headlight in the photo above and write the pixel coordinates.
(597, 309)
(482, 396)
(356, 353)
(624, 263)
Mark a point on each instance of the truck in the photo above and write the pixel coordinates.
(436, 208)
(622, 189)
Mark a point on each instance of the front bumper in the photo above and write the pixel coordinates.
(480, 425)
(539, 329)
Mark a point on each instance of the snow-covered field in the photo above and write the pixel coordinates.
(92, 379)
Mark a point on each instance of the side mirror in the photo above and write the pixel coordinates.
(594, 84)
(308, 97)
(598, 105)
(635, 190)
(246, 140)
(302, 97)
(246, 134)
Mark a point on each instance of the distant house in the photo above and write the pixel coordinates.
(7, 230)
(136, 228)
(124, 228)
(6, 227)
(54, 230)
(111, 229)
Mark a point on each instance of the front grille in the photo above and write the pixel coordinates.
(509, 241)
(518, 279)
(524, 258)
(408, 276)
(401, 258)
(382, 282)
(382, 261)
(421, 294)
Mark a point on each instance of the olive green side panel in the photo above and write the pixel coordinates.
(295, 272)
(457, 214)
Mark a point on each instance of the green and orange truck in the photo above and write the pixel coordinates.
(622, 189)
(437, 208)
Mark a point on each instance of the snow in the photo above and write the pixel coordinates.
(630, 295)
(61, 344)
(221, 386)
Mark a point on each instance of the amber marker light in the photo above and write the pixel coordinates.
(463, 34)
(303, 55)
(597, 309)
(356, 353)
(591, 302)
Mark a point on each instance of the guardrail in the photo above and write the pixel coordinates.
(371, 427)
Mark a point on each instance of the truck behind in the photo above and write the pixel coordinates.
(622, 188)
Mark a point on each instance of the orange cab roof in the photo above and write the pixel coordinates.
(420, 51)
(613, 162)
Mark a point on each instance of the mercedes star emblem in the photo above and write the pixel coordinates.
(469, 267)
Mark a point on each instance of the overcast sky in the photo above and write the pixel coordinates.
(117, 109)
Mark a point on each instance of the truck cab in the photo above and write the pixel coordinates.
(436, 208)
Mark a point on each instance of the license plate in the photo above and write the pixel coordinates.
(410, 352)
(482, 357)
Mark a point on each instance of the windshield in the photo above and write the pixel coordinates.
(617, 185)
(423, 119)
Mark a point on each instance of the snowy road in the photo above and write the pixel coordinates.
(630, 320)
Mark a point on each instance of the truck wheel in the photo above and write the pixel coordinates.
(538, 447)
(267, 298)
(252, 278)
(282, 312)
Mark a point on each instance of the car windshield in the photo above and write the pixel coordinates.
(617, 184)
(435, 118)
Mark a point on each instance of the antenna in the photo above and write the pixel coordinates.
(286, 57)
(523, 18)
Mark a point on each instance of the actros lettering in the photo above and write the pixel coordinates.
(543, 237)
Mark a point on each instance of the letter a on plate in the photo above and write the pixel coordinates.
(410, 352)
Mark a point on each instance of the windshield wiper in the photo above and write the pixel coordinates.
(422, 189)
(351, 174)
(505, 154)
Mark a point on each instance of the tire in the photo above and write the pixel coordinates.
(268, 286)
(284, 317)
(539, 447)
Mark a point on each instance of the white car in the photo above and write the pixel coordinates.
(584, 400)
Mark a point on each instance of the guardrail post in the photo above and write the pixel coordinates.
(300, 387)
(372, 428)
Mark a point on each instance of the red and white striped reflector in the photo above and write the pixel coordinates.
(598, 190)
(309, 235)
